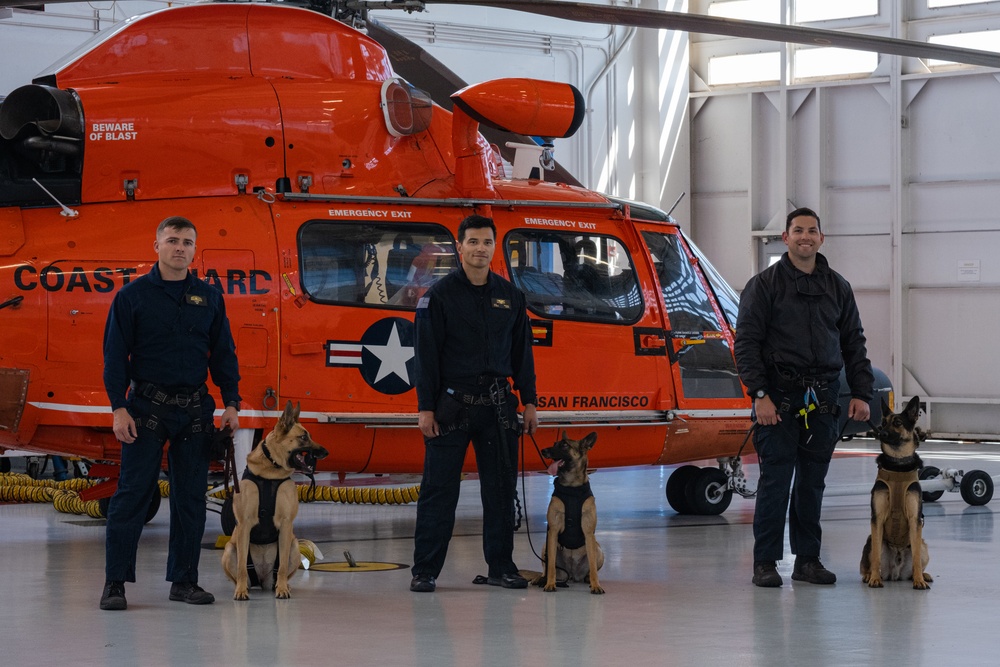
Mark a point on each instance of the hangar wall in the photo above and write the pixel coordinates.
(903, 166)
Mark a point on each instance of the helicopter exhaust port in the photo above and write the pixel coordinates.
(522, 106)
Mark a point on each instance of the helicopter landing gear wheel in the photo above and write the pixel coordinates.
(977, 487)
(930, 472)
(677, 485)
(709, 493)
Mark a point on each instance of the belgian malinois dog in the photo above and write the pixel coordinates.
(266, 505)
(896, 549)
(570, 544)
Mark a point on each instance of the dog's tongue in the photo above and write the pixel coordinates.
(554, 468)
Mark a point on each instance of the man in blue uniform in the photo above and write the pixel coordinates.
(165, 332)
(472, 334)
(798, 326)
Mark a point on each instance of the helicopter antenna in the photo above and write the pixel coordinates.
(66, 211)
(675, 204)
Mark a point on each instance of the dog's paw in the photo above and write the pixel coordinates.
(875, 582)
(928, 577)
(921, 584)
(549, 588)
(241, 594)
(596, 589)
(282, 593)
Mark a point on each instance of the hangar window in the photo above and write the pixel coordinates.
(952, 3)
(984, 40)
(824, 62)
(768, 11)
(574, 276)
(744, 68)
(389, 265)
(824, 10)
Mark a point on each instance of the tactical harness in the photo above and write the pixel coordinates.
(898, 475)
(265, 531)
(572, 498)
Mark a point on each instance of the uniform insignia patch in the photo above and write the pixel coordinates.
(501, 303)
(194, 299)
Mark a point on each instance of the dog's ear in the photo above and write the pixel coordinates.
(564, 434)
(912, 411)
(886, 410)
(288, 417)
(588, 441)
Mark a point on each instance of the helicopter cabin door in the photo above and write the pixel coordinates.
(699, 311)
(599, 349)
(347, 332)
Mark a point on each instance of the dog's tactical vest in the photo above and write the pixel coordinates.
(897, 529)
(267, 491)
(572, 498)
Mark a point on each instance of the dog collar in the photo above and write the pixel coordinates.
(904, 464)
(267, 455)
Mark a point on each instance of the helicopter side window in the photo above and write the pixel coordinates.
(706, 363)
(574, 276)
(388, 265)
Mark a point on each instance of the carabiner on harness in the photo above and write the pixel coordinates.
(809, 400)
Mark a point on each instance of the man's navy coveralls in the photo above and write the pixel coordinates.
(795, 331)
(164, 337)
(468, 337)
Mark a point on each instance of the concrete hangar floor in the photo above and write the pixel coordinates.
(678, 589)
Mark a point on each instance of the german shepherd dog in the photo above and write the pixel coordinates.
(267, 485)
(896, 549)
(572, 517)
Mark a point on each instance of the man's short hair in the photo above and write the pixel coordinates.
(476, 222)
(800, 212)
(176, 222)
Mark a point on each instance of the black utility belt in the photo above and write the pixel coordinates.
(477, 399)
(792, 379)
(179, 396)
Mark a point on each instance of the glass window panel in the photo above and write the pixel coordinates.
(952, 3)
(373, 264)
(726, 297)
(744, 68)
(574, 276)
(768, 11)
(811, 63)
(688, 306)
(985, 40)
(825, 10)
(708, 370)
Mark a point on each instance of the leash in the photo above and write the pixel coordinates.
(223, 443)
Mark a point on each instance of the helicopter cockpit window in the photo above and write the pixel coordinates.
(703, 356)
(574, 276)
(688, 306)
(389, 265)
(724, 294)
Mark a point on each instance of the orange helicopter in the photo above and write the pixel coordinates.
(327, 191)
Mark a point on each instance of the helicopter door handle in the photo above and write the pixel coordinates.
(652, 341)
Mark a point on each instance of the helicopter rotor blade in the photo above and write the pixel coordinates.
(426, 72)
(714, 25)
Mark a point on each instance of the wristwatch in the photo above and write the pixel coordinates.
(233, 404)
(760, 393)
